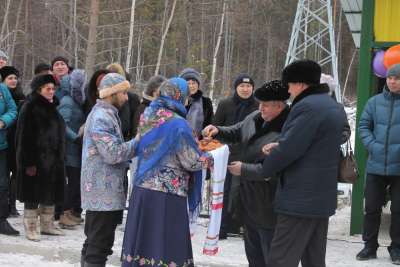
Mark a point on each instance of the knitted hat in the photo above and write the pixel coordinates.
(302, 71)
(3, 55)
(191, 74)
(272, 91)
(40, 80)
(394, 71)
(242, 78)
(8, 70)
(111, 84)
(59, 58)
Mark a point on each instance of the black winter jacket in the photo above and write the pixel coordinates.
(226, 115)
(256, 205)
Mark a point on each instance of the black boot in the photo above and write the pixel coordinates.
(366, 253)
(6, 228)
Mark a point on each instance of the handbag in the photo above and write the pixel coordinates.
(348, 172)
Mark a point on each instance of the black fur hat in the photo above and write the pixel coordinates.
(302, 71)
(272, 91)
(40, 80)
(8, 70)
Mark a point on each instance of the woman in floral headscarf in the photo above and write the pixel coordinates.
(157, 228)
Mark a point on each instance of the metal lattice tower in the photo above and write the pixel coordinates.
(313, 37)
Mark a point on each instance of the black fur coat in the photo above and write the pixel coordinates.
(40, 142)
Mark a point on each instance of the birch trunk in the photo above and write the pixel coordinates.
(130, 42)
(164, 36)
(214, 66)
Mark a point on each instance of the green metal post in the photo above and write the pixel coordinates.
(364, 90)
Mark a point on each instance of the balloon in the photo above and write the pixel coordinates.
(377, 64)
(392, 56)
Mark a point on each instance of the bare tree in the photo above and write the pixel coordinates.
(3, 35)
(130, 42)
(92, 44)
(76, 46)
(214, 66)
(16, 30)
(164, 36)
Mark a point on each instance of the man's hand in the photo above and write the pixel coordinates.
(209, 131)
(235, 168)
(2, 124)
(31, 171)
(268, 148)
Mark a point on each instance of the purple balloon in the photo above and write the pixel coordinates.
(378, 66)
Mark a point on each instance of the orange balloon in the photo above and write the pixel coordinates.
(392, 56)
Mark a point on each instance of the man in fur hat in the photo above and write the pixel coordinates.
(256, 195)
(307, 156)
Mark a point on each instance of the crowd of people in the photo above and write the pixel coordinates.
(67, 145)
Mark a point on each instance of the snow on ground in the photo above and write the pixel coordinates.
(65, 251)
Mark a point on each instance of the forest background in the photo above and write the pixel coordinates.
(220, 38)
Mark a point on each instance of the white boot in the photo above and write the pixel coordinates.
(31, 224)
(47, 226)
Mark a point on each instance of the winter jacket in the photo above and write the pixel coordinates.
(8, 114)
(379, 130)
(19, 99)
(127, 114)
(256, 195)
(74, 118)
(105, 158)
(40, 142)
(226, 115)
(307, 156)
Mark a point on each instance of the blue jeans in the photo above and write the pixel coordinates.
(4, 182)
